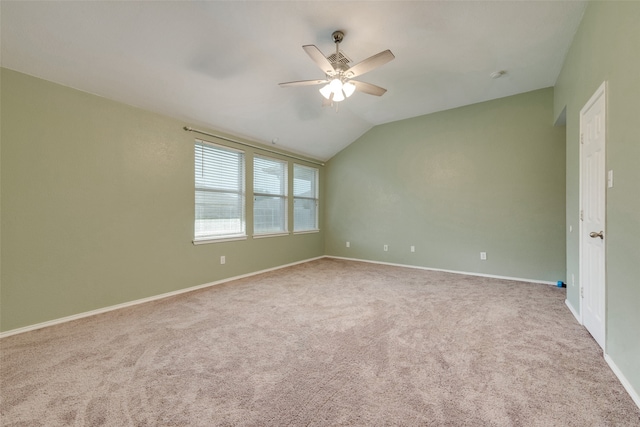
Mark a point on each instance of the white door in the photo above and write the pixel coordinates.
(592, 205)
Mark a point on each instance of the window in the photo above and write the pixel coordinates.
(269, 196)
(305, 198)
(220, 194)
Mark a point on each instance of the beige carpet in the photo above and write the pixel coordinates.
(328, 342)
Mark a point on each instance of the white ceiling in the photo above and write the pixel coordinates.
(218, 64)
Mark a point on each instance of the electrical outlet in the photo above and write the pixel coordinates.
(223, 259)
(386, 248)
(348, 244)
(413, 248)
(483, 256)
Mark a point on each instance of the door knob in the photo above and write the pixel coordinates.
(593, 234)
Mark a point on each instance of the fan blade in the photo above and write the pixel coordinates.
(368, 88)
(319, 58)
(303, 83)
(370, 63)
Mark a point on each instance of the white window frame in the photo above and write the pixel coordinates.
(240, 233)
(315, 199)
(282, 196)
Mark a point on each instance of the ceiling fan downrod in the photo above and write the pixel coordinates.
(337, 38)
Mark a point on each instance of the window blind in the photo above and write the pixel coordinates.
(269, 196)
(305, 198)
(219, 192)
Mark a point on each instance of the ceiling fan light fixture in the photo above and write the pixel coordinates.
(338, 96)
(348, 89)
(336, 85)
(326, 91)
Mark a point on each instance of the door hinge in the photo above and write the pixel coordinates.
(581, 292)
(582, 138)
(581, 215)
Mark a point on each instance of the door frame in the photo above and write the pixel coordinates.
(600, 92)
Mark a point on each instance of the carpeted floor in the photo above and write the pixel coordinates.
(329, 342)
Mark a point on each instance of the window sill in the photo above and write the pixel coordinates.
(206, 241)
(262, 236)
(306, 232)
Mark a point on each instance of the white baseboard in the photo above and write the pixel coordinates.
(518, 279)
(623, 380)
(142, 301)
(573, 311)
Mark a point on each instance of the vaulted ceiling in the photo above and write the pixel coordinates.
(218, 64)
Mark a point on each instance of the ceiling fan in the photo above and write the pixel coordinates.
(338, 73)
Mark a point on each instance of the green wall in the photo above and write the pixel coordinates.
(485, 177)
(98, 207)
(607, 48)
